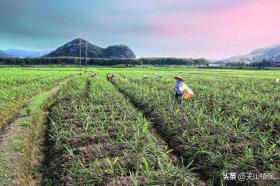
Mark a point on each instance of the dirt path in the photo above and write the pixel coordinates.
(10, 142)
(13, 128)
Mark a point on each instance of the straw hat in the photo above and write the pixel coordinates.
(179, 77)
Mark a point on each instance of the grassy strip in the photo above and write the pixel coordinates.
(21, 153)
(10, 104)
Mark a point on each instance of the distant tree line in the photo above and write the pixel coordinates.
(266, 63)
(173, 61)
(236, 64)
(263, 63)
(102, 61)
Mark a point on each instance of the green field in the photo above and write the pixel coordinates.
(80, 130)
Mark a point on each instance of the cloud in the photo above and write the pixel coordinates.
(224, 31)
(183, 28)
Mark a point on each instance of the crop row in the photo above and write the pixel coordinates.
(17, 86)
(231, 125)
(98, 138)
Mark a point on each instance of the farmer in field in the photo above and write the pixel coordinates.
(110, 77)
(181, 90)
(93, 75)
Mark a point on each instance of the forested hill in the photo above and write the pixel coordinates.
(80, 47)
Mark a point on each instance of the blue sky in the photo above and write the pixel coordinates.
(177, 28)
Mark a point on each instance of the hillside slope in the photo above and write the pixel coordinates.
(80, 47)
(270, 54)
(3, 54)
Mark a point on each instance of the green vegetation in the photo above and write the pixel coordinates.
(80, 47)
(17, 86)
(231, 125)
(31, 156)
(101, 61)
(19, 142)
(117, 133)
(263, 64)
(98, 138)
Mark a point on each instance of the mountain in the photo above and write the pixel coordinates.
(72, 49)
(3, 54)
(79, 46)
(270, 54)
(25, 53)
(118, 51)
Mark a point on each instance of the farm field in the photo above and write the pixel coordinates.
(231, 125)
(133, 132)
(16, 86)
(102, 140)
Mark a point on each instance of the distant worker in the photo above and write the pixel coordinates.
(93, 75)
(159, 76)
(181, 90)
(110, 77)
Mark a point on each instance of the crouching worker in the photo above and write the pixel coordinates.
(181, 90)
(93, 75)
(110, 77)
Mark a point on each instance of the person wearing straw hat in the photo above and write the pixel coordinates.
(181, 90)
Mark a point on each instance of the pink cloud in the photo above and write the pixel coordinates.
(226, 31)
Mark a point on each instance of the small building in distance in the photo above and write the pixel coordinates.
(214, 65)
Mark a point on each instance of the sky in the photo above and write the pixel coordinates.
(214, 29)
